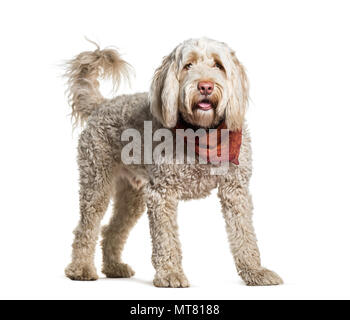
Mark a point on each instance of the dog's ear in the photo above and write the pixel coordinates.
(164, 92)
(238, 100)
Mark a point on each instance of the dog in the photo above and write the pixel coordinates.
(200, 84)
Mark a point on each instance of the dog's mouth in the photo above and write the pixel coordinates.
(205, 105)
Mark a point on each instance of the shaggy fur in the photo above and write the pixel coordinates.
(159, 186)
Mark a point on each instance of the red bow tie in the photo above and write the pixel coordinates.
(225, 148)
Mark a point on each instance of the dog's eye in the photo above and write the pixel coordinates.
(218, 65)
(188, 66)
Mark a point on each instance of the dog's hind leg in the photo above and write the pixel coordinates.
(237, 209)
(129, 204)
(96, 173)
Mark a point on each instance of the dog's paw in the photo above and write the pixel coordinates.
(171, 280)
(81, 272)
(260, 277)
(118, 270)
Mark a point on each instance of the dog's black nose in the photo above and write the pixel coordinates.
(206, 87)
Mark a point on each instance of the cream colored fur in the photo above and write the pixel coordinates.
(159, 186)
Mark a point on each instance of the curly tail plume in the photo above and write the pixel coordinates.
(83, 72)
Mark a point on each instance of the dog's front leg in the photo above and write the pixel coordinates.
(166, 256)
(237, 209)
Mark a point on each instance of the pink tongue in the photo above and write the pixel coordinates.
(204, 105)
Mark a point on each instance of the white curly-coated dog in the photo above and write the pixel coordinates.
(200, 85)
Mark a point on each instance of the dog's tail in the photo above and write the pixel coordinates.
(83, 72)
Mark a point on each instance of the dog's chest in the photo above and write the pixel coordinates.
(188, 181)
(197, 189)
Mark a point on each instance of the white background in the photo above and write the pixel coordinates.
(297, 54)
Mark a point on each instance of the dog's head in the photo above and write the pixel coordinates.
(203, 81)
